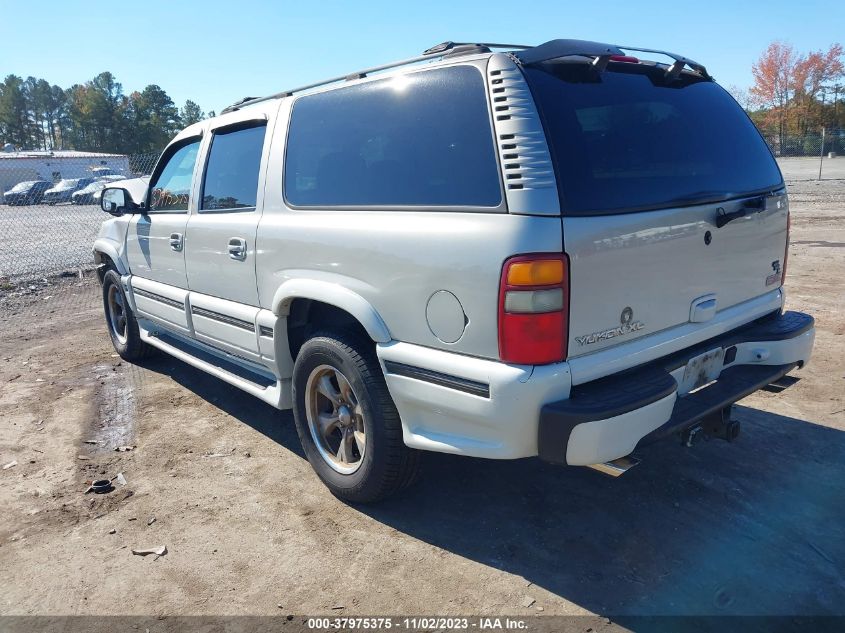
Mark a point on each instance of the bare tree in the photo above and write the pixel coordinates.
(742, 96)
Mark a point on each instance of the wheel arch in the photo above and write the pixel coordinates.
(305, 306)
(335, 295)
(105, 252)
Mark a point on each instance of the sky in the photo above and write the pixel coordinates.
(216, 52)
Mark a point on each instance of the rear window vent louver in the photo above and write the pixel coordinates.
(530, 186)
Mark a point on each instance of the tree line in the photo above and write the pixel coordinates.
(796, 94)
(95, 116)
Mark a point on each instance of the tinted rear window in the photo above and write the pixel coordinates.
(626, 140)
(421, 139)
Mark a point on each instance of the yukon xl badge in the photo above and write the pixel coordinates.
(627, 325)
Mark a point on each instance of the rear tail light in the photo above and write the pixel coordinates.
(624, 58)
(534, 309)
(786, 249)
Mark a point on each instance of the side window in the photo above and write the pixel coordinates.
(421, 139)
(231, 174)
(171, 189)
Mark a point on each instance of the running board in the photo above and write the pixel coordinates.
(271, 390)
(617, 466)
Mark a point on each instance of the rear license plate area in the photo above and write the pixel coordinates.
(701, 370)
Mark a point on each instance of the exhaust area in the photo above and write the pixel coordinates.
(617, 466)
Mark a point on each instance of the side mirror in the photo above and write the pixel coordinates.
(116, 201)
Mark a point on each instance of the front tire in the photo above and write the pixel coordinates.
(346, 420)
(120, 320)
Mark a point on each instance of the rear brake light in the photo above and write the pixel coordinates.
(534, 309)
(624, 58)
(786, 249)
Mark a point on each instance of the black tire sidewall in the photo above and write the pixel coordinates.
(133, 346)
(325, 350)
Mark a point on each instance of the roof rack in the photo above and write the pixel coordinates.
(454, 46)
(602, 54)
(444, 49)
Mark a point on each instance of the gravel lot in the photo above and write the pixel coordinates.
(808, 168)
(755, 527)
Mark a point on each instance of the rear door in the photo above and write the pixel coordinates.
(646, 167)
(220, 240)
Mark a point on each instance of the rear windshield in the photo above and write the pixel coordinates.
(628, 140)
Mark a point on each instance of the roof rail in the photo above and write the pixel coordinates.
(602, 54)
(445, 46)
(525, 55)
(444, 49)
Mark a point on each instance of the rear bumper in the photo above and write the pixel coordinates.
(606, 419)
(458, 404)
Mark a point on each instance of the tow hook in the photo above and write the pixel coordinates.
(720, 426)
(692, 435)
(717, 425)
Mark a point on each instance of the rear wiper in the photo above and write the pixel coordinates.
(699, 197)
(749, 207)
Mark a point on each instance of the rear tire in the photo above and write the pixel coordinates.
(346, 420)
(120, 320)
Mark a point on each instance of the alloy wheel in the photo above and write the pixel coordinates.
(335, 419)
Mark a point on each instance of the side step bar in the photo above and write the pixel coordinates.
(617, 466)
(272, 391)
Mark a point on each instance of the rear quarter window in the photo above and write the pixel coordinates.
(422, 139)
(628, 140)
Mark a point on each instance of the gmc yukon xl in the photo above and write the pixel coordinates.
(565, 251)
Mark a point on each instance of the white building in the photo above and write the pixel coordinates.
(20, 166)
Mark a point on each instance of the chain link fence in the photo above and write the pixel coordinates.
(814, 144)
(49, 209)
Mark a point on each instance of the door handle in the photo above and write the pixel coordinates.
(703, 309)
(237, 248)
(176, 241)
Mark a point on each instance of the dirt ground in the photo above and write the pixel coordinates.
(755, 527)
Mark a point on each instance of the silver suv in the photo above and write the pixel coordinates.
(561, 251)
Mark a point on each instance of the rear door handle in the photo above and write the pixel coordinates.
(703, 309)
(237, 248)
(749, 207)
(176, 241)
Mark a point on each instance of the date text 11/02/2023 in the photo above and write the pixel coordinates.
(416, 623)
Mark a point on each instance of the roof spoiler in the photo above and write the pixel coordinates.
(602, 54)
